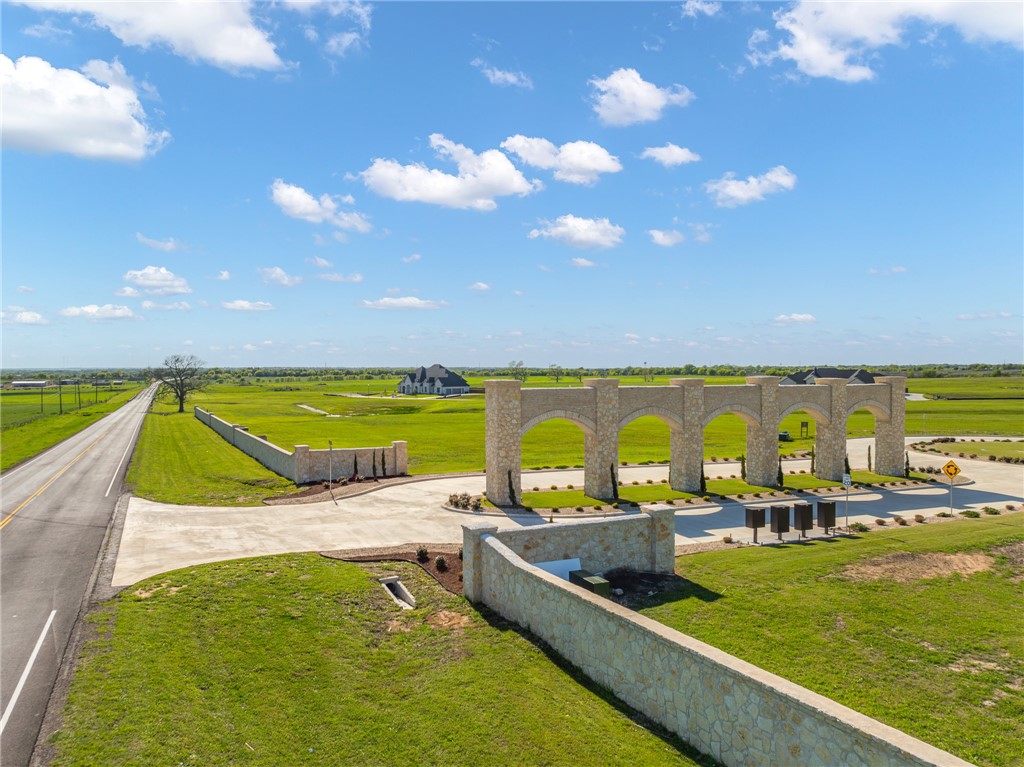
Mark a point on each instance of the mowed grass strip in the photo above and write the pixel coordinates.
(985, 449)
(302, 660)
(941, 658)
(179, 459)
(31, 437)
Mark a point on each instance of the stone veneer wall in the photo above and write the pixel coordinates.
(723, 706)
(305, 465)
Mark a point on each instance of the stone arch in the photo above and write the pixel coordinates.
(816, 412)
(670, 419)
(877, 409)
(748, 416)
(587, 426)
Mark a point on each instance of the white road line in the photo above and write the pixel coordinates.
(123, 456)
(24, 674)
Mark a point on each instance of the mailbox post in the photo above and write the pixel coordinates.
(755, 519)
(780, 520)
(803, 518)
(826, 515)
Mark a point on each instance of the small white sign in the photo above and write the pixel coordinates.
(847, 480)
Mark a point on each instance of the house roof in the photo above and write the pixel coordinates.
(854, 376)
(434, 374)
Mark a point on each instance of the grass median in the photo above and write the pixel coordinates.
(302, 660)
(921, 628)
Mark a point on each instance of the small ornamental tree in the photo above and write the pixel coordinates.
(703, 480)
(869, 457)
(846, 464)
(906, 465)
(812, 460)
(743, 467)
(779, 479)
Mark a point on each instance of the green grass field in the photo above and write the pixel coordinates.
(300, 660)
(940, 658)
(29, 434)
(21, 406)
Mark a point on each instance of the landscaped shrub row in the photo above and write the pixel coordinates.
(464, 501)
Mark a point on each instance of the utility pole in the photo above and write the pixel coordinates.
(60, 395)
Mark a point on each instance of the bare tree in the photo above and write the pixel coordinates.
(517, 371)
(182, 375)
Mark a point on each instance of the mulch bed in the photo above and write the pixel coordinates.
(450, 578)
(321, 491)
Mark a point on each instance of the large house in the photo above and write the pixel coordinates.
(437, 379)
(858, 376)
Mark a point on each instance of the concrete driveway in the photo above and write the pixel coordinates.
(160, 537)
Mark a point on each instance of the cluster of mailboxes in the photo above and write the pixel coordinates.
(803, 517)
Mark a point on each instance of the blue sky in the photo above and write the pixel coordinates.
(606, 184)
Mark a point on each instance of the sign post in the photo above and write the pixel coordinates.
(847, 481)
(950, 470)
(330, 469)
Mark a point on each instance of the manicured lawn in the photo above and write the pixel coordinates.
(987, 448)
(181, 460)
(301, 660)
(33, 433)
(941, 658)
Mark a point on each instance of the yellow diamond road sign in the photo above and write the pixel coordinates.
(950, 469)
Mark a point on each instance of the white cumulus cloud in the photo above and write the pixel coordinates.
(693, 8)
(94, 312)
(335, 277)
(670, 155)
(221, 34)
(840, 39)
(403, 302)
(278, 276)
(96, 115)
(25, 317)
(581, 232)
(625, 98)
(582, 263)
(157, 281)
(481, 178)
(479, 286)
(730, 192)
(296, 202)
(411, 259)
(665, 238)
(320, 263)
(241, 305)
(223, 275)
(127, 291)
(167, 246)
(502, 77)
(577, 162)
(795, 319)
(177, 306)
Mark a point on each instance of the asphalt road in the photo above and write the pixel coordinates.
(54, 514)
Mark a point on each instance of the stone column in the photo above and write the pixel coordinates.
(472, 570)
(890, 432)
(400, 460)
(830, 438)
(687, 444)
(504, 424)
(663, 538)
(300, 464)
(763, 438)
(601, 449)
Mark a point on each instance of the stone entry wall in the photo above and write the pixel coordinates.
(723, 706)
(305, 465)
(601, 408)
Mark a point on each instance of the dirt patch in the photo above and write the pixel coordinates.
(147, 593)
(1014, 552)
(449, 619)
(450, 577)
(974, 666)
(903, 567)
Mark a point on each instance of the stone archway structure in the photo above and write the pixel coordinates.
(602, 408)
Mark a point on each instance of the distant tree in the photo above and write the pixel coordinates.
(517, 371)
(182, 375)
(555, 372)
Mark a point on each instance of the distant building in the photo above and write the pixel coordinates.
(854, 376)
(436, 379)
(29, 384)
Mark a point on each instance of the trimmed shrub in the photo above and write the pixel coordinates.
(919, 518)
(880, 522)
(858, 527)
(440, 563)
(990, 510)
(970, 514)
(422, 554)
